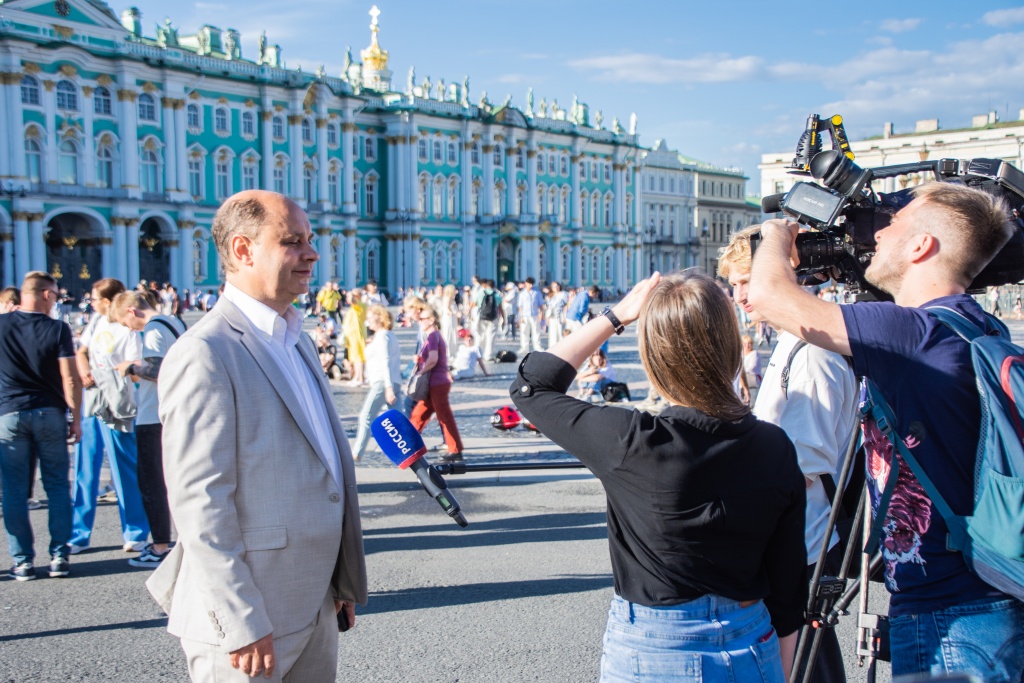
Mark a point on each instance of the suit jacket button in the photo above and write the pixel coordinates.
(335, 497)
(221, 635)
(212, 613)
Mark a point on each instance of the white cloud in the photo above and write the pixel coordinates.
(900, 25)
(513, 78)
(1004, 17)
(659, 70)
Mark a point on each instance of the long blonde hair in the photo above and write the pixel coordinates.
(690, 345)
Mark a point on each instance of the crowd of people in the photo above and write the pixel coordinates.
(717, 504)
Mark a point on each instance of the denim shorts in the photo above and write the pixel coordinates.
(711, 639)
(984, 638)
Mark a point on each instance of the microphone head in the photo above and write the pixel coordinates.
(397, 438)
(772, 203)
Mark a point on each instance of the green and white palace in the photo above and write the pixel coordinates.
(116, 148)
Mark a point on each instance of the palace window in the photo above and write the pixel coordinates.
(357, 181)
(520, 158)
(332, 135)
(453, 159)
(474, 154)
(222, 179)
(195, 177)
(195, 120)
(29, 90)
(521, 199)
(334, 186)
(277, 127)
(608, 264)
(421, 150)
(307, 132)
(249, 174)
(147, 108)
(309, 183)
(595, 172)
(595, 273)
(67, 96)
(198, 257)
(552, 201)
(438, 155)
(421, 197)
(249, 124)
(149, 176)
(474, 200)
(33, 159)
(355, 146)
(370, 148)
(499, 156)
(540, 163)
(607, 172)
(552, 160)
(453, 186)
(371, 196)
(372, 260)
(499, 199)
(104, 167)
(607, 211)
(563, 165)
(436, 204)
(220, 120)
(583, 170)
(101, 101)
(68, 163)
(629, 175)
(563, 207)
(566, 255)
(281, 176)
(593, 209)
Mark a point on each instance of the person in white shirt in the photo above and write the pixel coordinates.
(467, 358)
(383, 372)
(104, 345)
(531, 317)
(375, 297)
(159, 332)
(595, 375)
(817, 408)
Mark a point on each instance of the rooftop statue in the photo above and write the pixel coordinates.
(426, 87)
(440, 90)
(232, 48)
(262, 48)
(616, 126)
(167, 35)
(529, 101)
(598, 119)
(632, 123)
(542, 111)
(465, 91)
(411, 83)
(507, 102)
(348, 62)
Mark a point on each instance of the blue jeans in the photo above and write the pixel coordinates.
(44, 432)
(708, 639)
(375, 401)
(984, 638)
(123, 456)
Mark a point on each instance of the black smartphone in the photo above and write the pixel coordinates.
(343, 624)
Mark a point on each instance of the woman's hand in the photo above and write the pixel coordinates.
(389, 396)
(628, 310)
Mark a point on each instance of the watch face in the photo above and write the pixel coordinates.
(62, 7)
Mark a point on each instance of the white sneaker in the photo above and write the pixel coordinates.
(34, 504)
(75, 549)
(134, 546)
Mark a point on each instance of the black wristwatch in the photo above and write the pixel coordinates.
(613, 319)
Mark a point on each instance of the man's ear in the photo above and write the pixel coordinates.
(240, 248)
(922, 246)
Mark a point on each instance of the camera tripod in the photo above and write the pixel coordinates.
(830, 596)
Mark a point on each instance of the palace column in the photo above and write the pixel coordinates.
(128, 130)
(323, 191)
(393, 160)
(348, 193)
(88, 143)
(22, 264)
(174, 266)
(132, 239)
(180, 149)
(487, 191)
(106, 256)
(556, 259)
(350, 254)
(577, 258)
(186, 276)
(36, 242)
(576, 219)
(170, 146)
(469, 265)
(416, 254)
(392, 281)
(295, 152)
(532, 205)
(7, 258)
(8, 126)
(15, 134)
(323, 240)
(119, 262)
(511, 181)
(267, 146)
(50, 172)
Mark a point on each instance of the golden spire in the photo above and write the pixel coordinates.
(374, 58)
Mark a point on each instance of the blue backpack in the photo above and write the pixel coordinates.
(991, 539)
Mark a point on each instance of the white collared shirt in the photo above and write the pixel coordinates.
(281, 335)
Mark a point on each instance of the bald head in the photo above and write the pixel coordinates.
(246, 213)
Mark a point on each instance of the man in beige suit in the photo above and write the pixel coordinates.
(259, 474)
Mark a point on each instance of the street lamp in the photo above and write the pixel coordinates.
(705, 234)
(651, 232)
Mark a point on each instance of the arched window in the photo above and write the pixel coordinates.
(307, 131)
(474, 153)
(629, 209)
(421, 149)
(453, 186)
(453, 158)
(277, 127)
(101, 101)
(195, 120)
(541, 194)
(334, 184)
(563, 165)
(520, 158)
(105, 167)
(540, 163)
(566, 256)
(436, 205)
(608, 254)
(438, 154)
(370, 148)
(199, 256)
(68, 163)
(594, 199)
(371, 196)
(552, 201)
(373, 260)
(499, 156)
(595, 273)
(248, 124)
(149, 171)
(424, 261)
(221, 120)
(563, 207)
(29, 90)
(421, 200)
(309, 182)
(222, 176)
(33, 160)
(499, 199)
(67, 96)
(250, 167)
(332, 134)
(552, 160)
(281, 174)
(520, 199)
(542, 260)
(607, 211)
(474, 199)
(440, 265)
(584, 267)
(196, 179)
(147, 108)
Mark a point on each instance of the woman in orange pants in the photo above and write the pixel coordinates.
(433, 361)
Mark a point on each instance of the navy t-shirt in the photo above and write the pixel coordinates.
(925, 373)
(30, 346)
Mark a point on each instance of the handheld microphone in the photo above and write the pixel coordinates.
(772, 203)
(404, 447)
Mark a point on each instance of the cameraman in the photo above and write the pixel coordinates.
(817, 408)
(944, 618)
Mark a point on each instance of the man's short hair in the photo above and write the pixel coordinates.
(236, 217)
(37, 281)
(736, 256)
(529, 281)
(125, 300)
(974, 223)
(10, 296)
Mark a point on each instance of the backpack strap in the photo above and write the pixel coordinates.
(167, 325)
(786, 368)
(964, 328)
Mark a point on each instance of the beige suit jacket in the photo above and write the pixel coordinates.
(262, 532)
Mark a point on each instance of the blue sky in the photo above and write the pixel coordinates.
(720, 81)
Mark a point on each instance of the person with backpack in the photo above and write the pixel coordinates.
(811, 393)
(159, 332)
(944, 616)
(489, 307)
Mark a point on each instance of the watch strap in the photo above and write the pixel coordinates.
(614, 320)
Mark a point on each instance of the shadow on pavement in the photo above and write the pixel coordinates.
(133, 625)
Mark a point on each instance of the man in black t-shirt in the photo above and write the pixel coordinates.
(39, 382)
(943, 617)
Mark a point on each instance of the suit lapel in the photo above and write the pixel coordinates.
(306, 350)
(266, 362)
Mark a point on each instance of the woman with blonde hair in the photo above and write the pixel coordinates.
(432, 360)
(383, 372)
(705, 502)
(449, 311)
(353, 330)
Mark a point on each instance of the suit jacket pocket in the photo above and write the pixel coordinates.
(265, 538)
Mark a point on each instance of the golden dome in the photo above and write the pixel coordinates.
(374, 58)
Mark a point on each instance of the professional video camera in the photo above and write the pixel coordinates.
(846, 213)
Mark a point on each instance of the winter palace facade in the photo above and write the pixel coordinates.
(116, 149)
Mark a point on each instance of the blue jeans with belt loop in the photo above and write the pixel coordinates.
(707, 639)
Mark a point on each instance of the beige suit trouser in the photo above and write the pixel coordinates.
(306, 656)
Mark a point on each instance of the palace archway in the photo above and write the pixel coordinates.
(154, 252)
(74, 251)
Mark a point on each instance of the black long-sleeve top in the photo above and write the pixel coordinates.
(696, 505)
